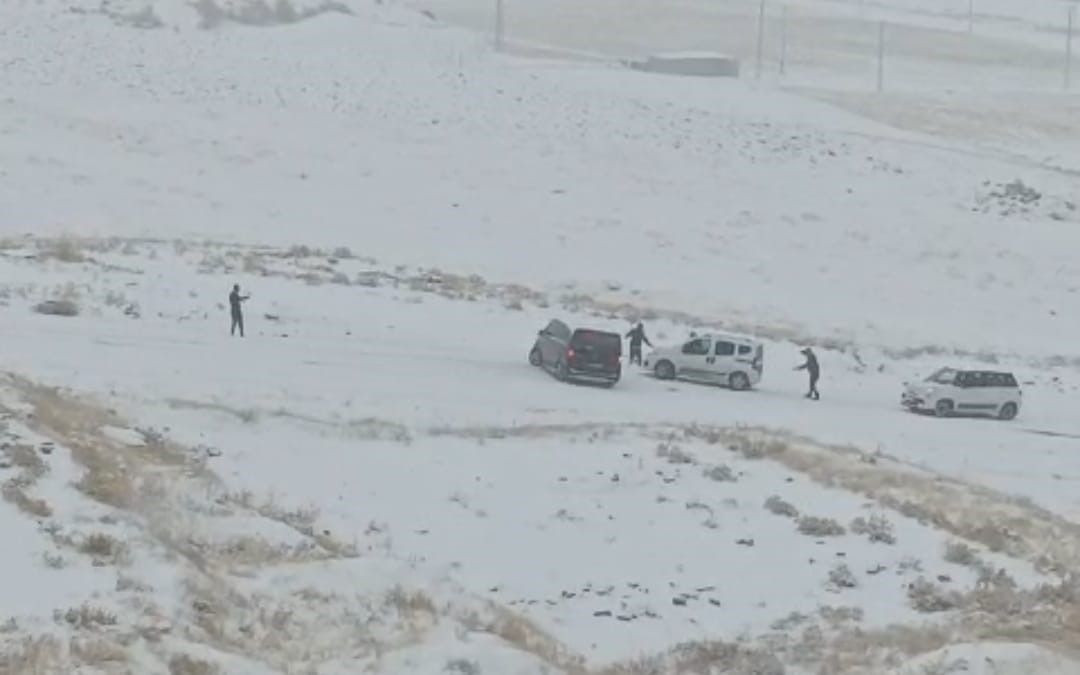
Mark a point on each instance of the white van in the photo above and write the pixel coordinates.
(951, 391)
(713, 358)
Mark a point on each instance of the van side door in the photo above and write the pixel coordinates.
(722, 361)
(693, 358)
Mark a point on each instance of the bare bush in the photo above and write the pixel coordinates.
(877, 529)
(96, 652)
(13, 492)
(103, 548)
(928, 597)
(674, 454)
(462, 667)
(182, 664)
(65, 250)
(820, 527)
(842, 577)
(86, 617)
(959, 553)
(778, 506)
(343, 253)
(410, 603)
(720, 473)
(53, 561)
(66, 308)
(261, 12)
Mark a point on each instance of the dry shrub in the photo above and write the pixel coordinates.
(103, 548)
(720, 473)
(14, 493)
(182, 664)
(877, 529)
(926, 596)
(66, 308)
(674, 454)
(96, 652)
(86, 617)
(778, 506)
(25, 457)
(410, 604)
(842, 577)
(704, 657)
(107, 484)
(959, 553)
(65, 250)
(42, 654)
(820, 527)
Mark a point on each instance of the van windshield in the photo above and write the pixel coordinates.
(943, 376)
(607, 342)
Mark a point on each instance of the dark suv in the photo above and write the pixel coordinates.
(583, 354)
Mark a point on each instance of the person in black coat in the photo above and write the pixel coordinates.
(812, 368)
(237, 313)
(637, 336)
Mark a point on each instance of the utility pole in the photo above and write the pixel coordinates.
(760, 38)
(881, 57)
(783, 38)
(498, 25)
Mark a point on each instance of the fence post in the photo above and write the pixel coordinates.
(881, 57)
(971, 16)
(498, 25)
(760, 38)
(783, 38)
(1068, 47)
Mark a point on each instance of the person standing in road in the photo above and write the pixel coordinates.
(637, 336)
(812, 368)
(237, 313)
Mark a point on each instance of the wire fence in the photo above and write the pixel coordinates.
(995, 45)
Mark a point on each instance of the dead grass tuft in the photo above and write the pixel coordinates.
(103, 548)
(32, 655)
(64, 249)
(96, 652)
(877, 529)
(928, 597)
(182, 664)
(820, 527)
(778, 506)
(959, 553)
(86, 617)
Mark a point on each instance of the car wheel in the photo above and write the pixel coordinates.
(561, 371)
(535, 357)
(739, 381)
(943, 408)
(1008, 411)
(665, 370)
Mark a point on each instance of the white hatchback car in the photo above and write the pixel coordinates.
(714, 358)
(951, 392)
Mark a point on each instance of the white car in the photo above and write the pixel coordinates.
(951, 392)
(714, 358)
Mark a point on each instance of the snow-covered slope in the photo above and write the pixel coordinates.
(374, 480)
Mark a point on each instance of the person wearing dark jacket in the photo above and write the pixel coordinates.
(637, 336)
(812, 368)
(237, 313)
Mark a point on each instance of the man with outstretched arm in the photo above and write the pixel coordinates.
(637, 336)
(237, 313)
(812, 368)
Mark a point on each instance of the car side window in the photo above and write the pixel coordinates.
(744, 349)
(724, 348)
(697, 347)
(963, 379)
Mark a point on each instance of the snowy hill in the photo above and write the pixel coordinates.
(375, 480)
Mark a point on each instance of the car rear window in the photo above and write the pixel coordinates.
(597, 339)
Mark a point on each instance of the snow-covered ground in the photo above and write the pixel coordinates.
(374, 479)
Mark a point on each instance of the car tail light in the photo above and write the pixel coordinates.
(570, 353)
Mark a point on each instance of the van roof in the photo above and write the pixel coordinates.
(729, 336)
